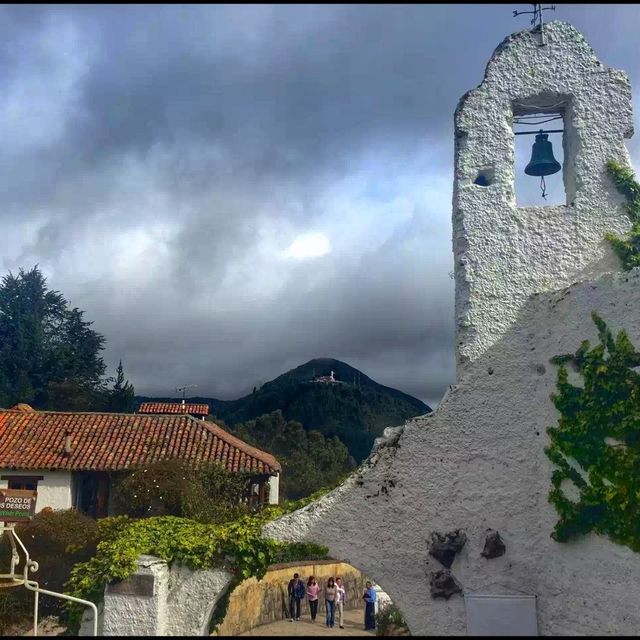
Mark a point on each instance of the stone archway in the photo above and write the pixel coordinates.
(255, 603)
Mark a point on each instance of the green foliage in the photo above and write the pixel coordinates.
(208, 493)
(389, 622)
(57, 540)
(628, 247)
(49, 354)
(596, 444)
(236, 546)
(309, 460)
(122, 396)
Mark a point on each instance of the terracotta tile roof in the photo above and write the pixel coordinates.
(112, 441)
(174, 407)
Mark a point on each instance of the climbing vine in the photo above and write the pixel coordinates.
(235, 546)
(596, 444)
(628, 247)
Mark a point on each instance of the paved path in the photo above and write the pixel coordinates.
(353, 626)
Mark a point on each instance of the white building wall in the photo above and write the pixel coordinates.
(54, 490)
(274, 489)
(158, 601)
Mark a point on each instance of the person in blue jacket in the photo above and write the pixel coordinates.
(369, 598)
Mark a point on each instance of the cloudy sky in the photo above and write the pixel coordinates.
(230, 191)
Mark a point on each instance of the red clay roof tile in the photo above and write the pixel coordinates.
(113, 441)
(174, 407)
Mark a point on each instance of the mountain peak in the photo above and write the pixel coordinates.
(356, 411)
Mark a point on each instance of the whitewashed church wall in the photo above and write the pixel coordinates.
(478, 463)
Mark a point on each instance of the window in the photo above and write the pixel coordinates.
(25, 483)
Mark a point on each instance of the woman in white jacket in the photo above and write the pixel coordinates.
(341, 597)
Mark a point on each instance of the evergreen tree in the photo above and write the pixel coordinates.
(49, 355)
(122, 397)
(310, 461)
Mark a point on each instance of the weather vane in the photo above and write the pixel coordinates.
(537, 19)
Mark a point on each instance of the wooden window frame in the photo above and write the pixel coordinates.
(20, 479)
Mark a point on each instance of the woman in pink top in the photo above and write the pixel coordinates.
(313, 588)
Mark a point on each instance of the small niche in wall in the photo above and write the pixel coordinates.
(544, 114)
(485, 177)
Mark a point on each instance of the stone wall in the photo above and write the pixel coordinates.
(527, 281)
(253, 602)
(160, 601)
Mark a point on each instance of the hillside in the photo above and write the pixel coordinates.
(356, 408)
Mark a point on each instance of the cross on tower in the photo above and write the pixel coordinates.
(537, 19)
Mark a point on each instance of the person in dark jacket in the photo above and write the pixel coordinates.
(297, 592)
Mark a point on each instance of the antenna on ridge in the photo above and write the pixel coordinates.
(537, 19)
(184, 388)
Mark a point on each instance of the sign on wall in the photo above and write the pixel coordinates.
(501, 615)
(17, 505)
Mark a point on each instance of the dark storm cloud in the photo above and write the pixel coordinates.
(157, 160)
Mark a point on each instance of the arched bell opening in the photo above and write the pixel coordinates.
(544, 152)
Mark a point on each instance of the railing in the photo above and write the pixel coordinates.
(13, 579)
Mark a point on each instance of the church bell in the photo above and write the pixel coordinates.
(542, 162)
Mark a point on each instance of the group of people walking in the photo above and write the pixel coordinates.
(334, 596)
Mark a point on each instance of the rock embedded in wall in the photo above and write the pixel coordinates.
(494, 547)
(443, 584)
(444, 547)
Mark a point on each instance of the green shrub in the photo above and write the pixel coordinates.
(389, 622)
(207, 494)
(628, 247)
(16, 608)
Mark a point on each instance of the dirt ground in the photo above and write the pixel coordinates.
(46, 627)
(353, 626)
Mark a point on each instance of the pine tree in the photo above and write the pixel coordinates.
(49, 355)
(122, 397)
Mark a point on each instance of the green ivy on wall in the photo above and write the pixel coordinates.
(237, 546)
(628, 247)
(596, 444)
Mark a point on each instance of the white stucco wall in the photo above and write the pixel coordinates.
(158, 601)
(54, 490)
(127, 614)
(478, 463)
(503, 253)
(274, 489)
